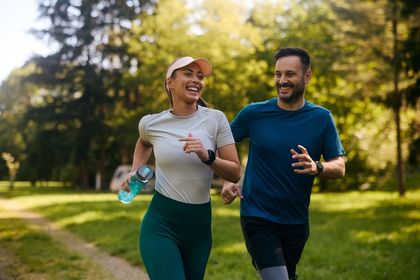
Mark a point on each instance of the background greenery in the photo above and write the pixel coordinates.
(72, 115)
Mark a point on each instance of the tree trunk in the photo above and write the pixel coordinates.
(398, 102)
(84, 178)
(400, 167)
(11, 183)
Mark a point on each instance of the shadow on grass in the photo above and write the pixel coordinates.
(30, 191)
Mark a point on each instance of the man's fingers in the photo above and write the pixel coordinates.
(299, 156)
(302, 167)
(304, 164)
(293, 152)
(227, 199)
(239, 192)
(303, 149)
(233, 193)
(230, 192)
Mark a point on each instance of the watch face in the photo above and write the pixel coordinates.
(319, 166)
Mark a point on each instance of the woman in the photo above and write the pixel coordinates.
(175, 237)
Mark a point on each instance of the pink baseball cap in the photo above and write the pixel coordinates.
(203, 63)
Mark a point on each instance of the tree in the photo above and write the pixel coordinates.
(385, 50)
(13, 167)
(200, 29)
(15, 97)
(91, 39)
(410, 49)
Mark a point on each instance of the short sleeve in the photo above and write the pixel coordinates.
(142, 127)
(224, 134)
(240, 124)
(332, 147)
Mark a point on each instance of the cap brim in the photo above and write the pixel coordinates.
(203, 63)
(205, 66)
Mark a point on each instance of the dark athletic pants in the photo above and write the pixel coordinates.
(175, 239)
(271, 244)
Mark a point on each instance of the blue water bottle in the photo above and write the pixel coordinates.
(136, 184)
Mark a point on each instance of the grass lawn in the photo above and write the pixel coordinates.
(369, 235)
(28, 253)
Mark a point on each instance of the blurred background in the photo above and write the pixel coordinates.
(87, 71)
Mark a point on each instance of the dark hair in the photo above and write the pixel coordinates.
(200, 101)
(301, 53)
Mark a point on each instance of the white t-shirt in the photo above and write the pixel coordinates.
(181, 176)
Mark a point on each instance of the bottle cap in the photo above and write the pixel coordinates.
(144, 173)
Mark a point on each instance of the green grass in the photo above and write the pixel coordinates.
(373, 235)
(28, 253)
(369, 235)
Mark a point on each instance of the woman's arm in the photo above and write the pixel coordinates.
(142, 153)
(227, 164)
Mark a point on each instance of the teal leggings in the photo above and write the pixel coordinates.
(175, 239)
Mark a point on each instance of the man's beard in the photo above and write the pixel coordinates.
(297, 92)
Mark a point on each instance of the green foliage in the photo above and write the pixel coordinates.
(15, 98)
(77, 112)
(208, 30)
(90, 60)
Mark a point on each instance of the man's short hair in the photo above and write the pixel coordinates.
(305, 59)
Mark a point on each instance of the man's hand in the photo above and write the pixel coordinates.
(333, 168)
(230, 191)
(305, 164)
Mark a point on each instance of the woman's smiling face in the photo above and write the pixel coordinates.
(186, 84)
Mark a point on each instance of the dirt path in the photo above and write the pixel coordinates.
(117, 267)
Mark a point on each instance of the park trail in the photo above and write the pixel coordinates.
(117, 267)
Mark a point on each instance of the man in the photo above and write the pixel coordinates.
(287, 136)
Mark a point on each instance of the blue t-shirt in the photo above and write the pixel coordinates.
(271, 189)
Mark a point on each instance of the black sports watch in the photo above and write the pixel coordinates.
(212, 157)
(319, 167)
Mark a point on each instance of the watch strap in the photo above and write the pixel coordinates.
(212, 157)
(319, 167)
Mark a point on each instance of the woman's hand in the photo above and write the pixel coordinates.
(126, 181)
(194, 145)
(226, 164)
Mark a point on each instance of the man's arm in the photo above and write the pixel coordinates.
(333, 168)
